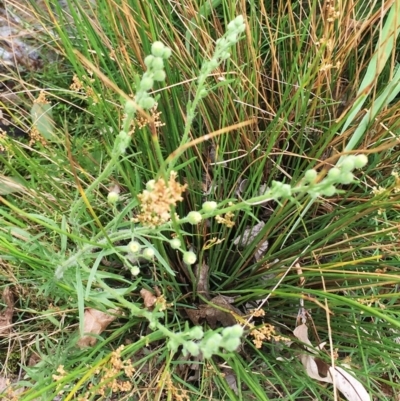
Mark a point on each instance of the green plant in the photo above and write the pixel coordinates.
(257, 202)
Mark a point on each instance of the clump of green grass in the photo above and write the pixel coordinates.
(285, 102)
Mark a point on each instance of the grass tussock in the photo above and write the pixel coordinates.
(199, 214)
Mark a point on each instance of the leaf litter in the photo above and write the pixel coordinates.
(249, 236)
(219, 311)
(7, 314)
(95, 322)
(317, 369)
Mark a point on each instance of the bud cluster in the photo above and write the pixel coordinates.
(221, 53)
(342, 174)
(155, 73)
(194, 341)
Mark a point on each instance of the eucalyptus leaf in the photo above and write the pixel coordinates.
(42, 119)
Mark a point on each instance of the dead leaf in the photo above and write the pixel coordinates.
(42, 119)
(317, 369)
(4, 384)
(202, 280)
(301, 333)
(9, 185)
(149, 299)
(214, 315)
(231, 379)
(190, 367)
(95, 322)
(7, 314)
(195, 315)
(34, 359)
(349, 386)
(248, 236)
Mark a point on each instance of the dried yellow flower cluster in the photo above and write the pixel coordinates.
(109, 376)
(35, 137)
(109, 379)
(80, 87)
(61, 373)
(41, 99)
(333, 14)
(157, 199)
(226, 220)
(265, 333)
(178, 393)
(156, 115)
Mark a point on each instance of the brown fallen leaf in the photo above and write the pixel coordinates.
(317, 369)
(195, 315)
(248, 236)
(149, 299)
(231, 379)
(7, 314)
(214, 314)
(95, 322)
(4, 384)
(201, 273)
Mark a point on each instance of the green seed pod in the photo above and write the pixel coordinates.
(157, 49)
(213, 63)
(148, 253)
(346, 178)
(232, 38)
(175, 243)
(159, 75)
(148, 61)
(241, 28)
(203, 92)
(147, 103)
(213, 342)
(194, 217)
(146, 84)
(209, 206)
(192, 348)
(112, 197)
(158, 64)
(196, 333)
(150, 185)
(189, 258)
(231, 344)
(360, 161)
(135, 271)
(134, 247)
(167, 53)
(334, 173)
(225, 55)
(329, 191)
(233, 331)
(238, 21)
(347, 164)
(310, 175)
(130, 107)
